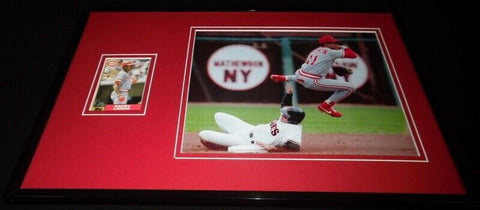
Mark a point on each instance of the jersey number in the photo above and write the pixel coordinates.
(311, 59)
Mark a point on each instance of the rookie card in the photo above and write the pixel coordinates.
(121, 85)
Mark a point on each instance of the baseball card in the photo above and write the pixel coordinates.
(225, 104)
(121, 85)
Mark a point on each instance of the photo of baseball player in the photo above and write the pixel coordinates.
(280, 135)
(313, 73)
(122, 82)
(231, 95)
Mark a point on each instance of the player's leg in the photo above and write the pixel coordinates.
(341, 90)
(119, 98)
(284, 78)
(231, 124)
(114, 97)
(125, 97)
(223, 139)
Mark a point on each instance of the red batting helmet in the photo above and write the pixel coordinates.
(327, 39)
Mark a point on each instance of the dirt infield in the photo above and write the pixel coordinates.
(333, 144)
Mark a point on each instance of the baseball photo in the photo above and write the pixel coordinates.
(311, 92)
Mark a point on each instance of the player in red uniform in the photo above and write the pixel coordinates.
(123, 83)
(312, 73)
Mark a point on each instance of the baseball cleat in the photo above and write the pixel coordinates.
(327, 108)
(278, 78)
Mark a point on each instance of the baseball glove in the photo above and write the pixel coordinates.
(342, 71)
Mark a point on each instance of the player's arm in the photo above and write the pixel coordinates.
(134, 80)
(289, 146)
(349, 53)
(292, 146)
(115, 87)
(341, 52)
(118, 81)
(287, 97)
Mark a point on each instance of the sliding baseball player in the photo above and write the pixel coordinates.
(280, 135)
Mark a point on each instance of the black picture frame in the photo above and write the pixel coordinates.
(41, 196)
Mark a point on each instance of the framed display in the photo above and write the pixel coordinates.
(240, 107)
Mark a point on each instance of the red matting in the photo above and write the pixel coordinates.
(132, 152)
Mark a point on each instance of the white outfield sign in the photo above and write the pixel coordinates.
(238, 67)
